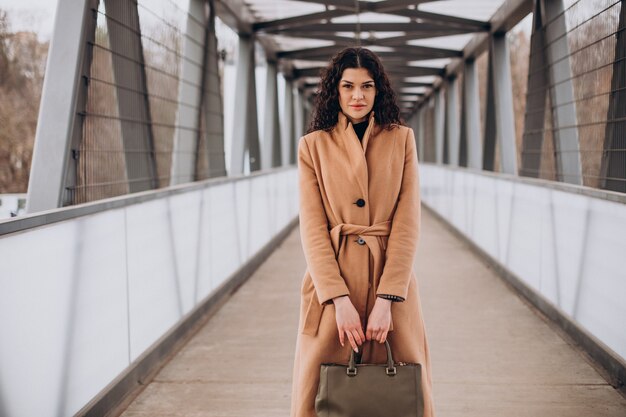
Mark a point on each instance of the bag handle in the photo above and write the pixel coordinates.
(390, 370)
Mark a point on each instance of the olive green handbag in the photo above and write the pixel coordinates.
(370, 390)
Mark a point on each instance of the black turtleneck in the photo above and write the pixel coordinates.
(360, 128)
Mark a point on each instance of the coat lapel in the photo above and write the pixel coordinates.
(355, 149)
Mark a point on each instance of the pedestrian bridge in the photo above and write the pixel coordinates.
(157, 271)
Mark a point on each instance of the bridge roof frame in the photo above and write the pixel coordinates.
(396, 53)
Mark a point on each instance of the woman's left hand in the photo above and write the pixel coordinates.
(379, 321)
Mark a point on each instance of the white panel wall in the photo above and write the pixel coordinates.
(568, 247)
(82, 298)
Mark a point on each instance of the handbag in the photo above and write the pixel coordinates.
(370, 390)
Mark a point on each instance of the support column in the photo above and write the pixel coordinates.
(212, 103)
(471, 116)
(299, 115)
(290, 142)
(562, 94)
(439, 126)
(614, 155)
(534, 120)
(421, 119)
(64, 94)
(189, 97)
(500, 124)
(271, 131)
(132, 94)
(246, 131)
(452, 122)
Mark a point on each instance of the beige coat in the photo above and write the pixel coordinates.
(359, 250)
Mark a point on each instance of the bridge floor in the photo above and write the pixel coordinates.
(493, 355)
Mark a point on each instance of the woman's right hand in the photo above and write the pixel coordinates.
(348, 322)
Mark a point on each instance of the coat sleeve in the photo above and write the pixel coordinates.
(318, 250)
(405, 225)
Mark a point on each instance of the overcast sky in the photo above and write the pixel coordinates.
(35, 15)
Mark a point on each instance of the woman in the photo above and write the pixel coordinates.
(359, 223)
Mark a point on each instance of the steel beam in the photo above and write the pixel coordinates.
(613, 168)
(490, 132)
(185, 147)
(64, 94)
(299, 115)
(366, 40)
(134, 108)
(402, 51)
(500, 104)
(452, 121)
(212, 102)
(271, 138)
(564, 118)
(409, 71)
(245, 131)
(366, 5)
(290, 147)
(471, 116)
(299, 20)
(504, 19)
(534, 120)
(461, 22)
(440, 30)
(235, 14)
(439, 126)
(419, 121)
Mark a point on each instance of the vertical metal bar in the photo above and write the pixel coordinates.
(452, 122)
(439, 126)
(421, 120)
(290, 141)
(271, 137)
(503, 96)
(613, 169)
(245, 131)
(471, 113)
(64, 95)
(188, 118)
(463, 129)
(212, 103)
(489, 142)
(532, 142)
(562, 94)
(298, 115)
(134, 108)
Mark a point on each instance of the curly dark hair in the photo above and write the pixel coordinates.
(386, 111)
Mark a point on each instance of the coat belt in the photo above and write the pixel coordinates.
(370, 234)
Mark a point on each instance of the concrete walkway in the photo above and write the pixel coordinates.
(493, 356)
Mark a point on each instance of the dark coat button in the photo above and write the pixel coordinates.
(360, 241)
(360, 202)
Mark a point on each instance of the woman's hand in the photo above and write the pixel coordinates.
(348, 322)
(379, 321)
